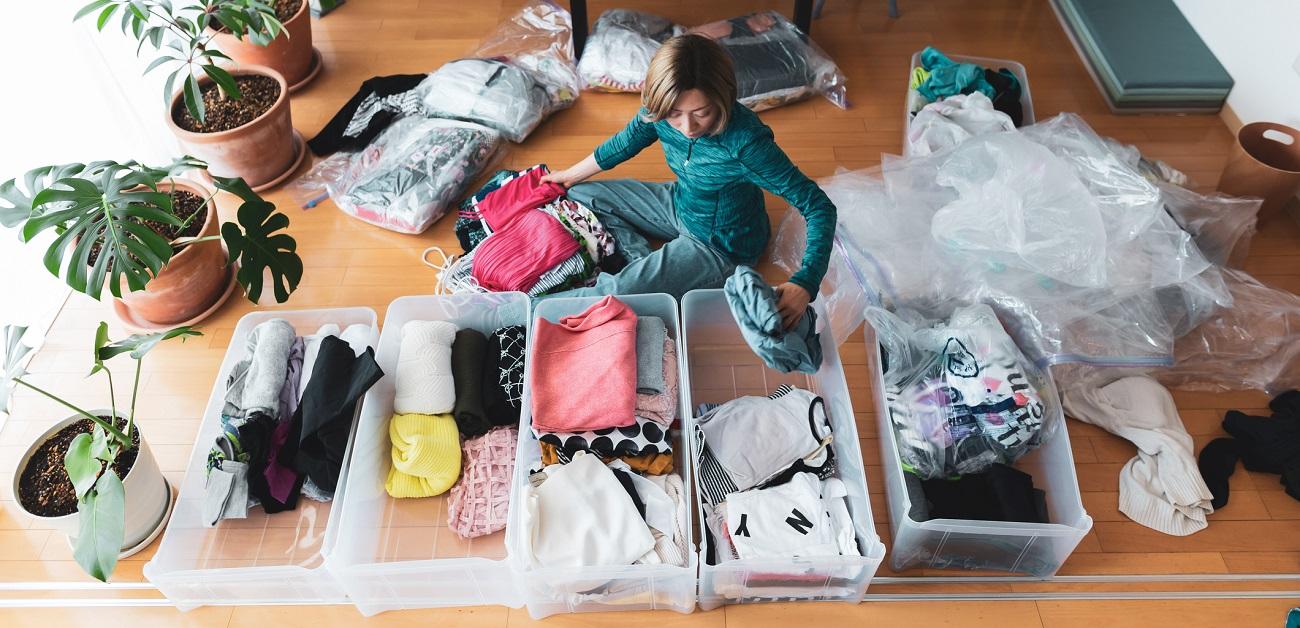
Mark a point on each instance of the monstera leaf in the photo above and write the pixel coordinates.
(139, 344)
(97, 207)
(257, 246)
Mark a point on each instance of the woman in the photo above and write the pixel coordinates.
(712, 218)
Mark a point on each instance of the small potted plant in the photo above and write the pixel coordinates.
(155, 240)
(237, 120)
(92, 475)
(290, 53)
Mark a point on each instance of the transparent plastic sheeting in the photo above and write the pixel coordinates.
(409, 176)
(522, 72)
(1082, 256)
(776, 63)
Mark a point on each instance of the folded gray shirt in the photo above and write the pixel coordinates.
(753, 305)
(650, 333)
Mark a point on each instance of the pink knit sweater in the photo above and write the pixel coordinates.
(583, 375)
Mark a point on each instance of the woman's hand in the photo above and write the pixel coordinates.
(575, 174)
(562, 177)
(791, 303)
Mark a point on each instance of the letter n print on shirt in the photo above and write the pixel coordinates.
(799, 522)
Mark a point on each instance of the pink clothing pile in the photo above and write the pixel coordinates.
(525, 242)
(662, 408)
(585, 378)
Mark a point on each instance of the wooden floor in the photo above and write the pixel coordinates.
(348, 263)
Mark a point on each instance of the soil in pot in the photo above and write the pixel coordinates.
(259, 94)
(45, 489)
(185, 205)
(285, 9)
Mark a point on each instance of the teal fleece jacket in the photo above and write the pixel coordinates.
(717, 192)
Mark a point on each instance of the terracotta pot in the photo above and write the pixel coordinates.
(263, 152)
(148, 498)
(191, 282)
(1265, 163)
(291, 56)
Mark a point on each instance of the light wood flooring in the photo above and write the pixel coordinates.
(349, 263)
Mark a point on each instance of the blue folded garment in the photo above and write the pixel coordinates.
(753, 305)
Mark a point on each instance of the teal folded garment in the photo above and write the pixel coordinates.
(753, 305)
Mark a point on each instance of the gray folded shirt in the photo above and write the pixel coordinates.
(650, 333)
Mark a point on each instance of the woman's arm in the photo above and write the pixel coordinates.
(622, 146)
(770, 168)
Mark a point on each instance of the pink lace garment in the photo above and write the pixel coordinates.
(478, 503)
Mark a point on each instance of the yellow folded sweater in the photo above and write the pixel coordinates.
(426, 455)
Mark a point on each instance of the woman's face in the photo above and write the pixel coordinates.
(692, 114)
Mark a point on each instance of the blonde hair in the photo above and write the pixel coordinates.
(689, 62)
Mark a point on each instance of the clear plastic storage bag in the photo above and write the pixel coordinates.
(523, 72)
(1252, 345)
(410, 176)
(617, 55)
(776, 63)
(961, 396)
(1073, 248)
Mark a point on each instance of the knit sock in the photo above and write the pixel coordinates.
(1218, 460)
(1265, 444)
(424, 381)
(426, 455)
(1286, 404)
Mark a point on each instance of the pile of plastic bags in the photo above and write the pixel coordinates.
(1084, 254)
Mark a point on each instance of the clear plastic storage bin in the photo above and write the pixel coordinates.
(1037, 549)
(548, 591)
(1026, 102)
(722, 367)
(399, 553)
(264, 559)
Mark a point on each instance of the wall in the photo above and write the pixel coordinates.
(1258, 41)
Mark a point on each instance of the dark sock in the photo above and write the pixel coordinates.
(1286, 404)
(1217, 462)
(469, 357)
(1266, 445)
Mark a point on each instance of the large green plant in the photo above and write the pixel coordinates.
(181, 37)
(103, 206)
(101, 497)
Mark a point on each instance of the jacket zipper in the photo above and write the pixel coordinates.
(689, 149)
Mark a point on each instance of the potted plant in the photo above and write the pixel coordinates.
(155, 240)
(92, 475)
(237, 120)
(290, 53)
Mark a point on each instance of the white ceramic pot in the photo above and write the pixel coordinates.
(148, 497)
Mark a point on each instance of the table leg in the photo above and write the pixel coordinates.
(803, 15)
(579, 10)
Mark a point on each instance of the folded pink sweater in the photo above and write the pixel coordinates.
(584, 370)
(515, 257)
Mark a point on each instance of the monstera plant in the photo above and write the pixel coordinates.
(152, 239)
(92, 475)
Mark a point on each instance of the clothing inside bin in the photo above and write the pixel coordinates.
(960, 394)
(768, 482)
(457, 400)
(603, 492)
(286, 420)
(939, 77)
